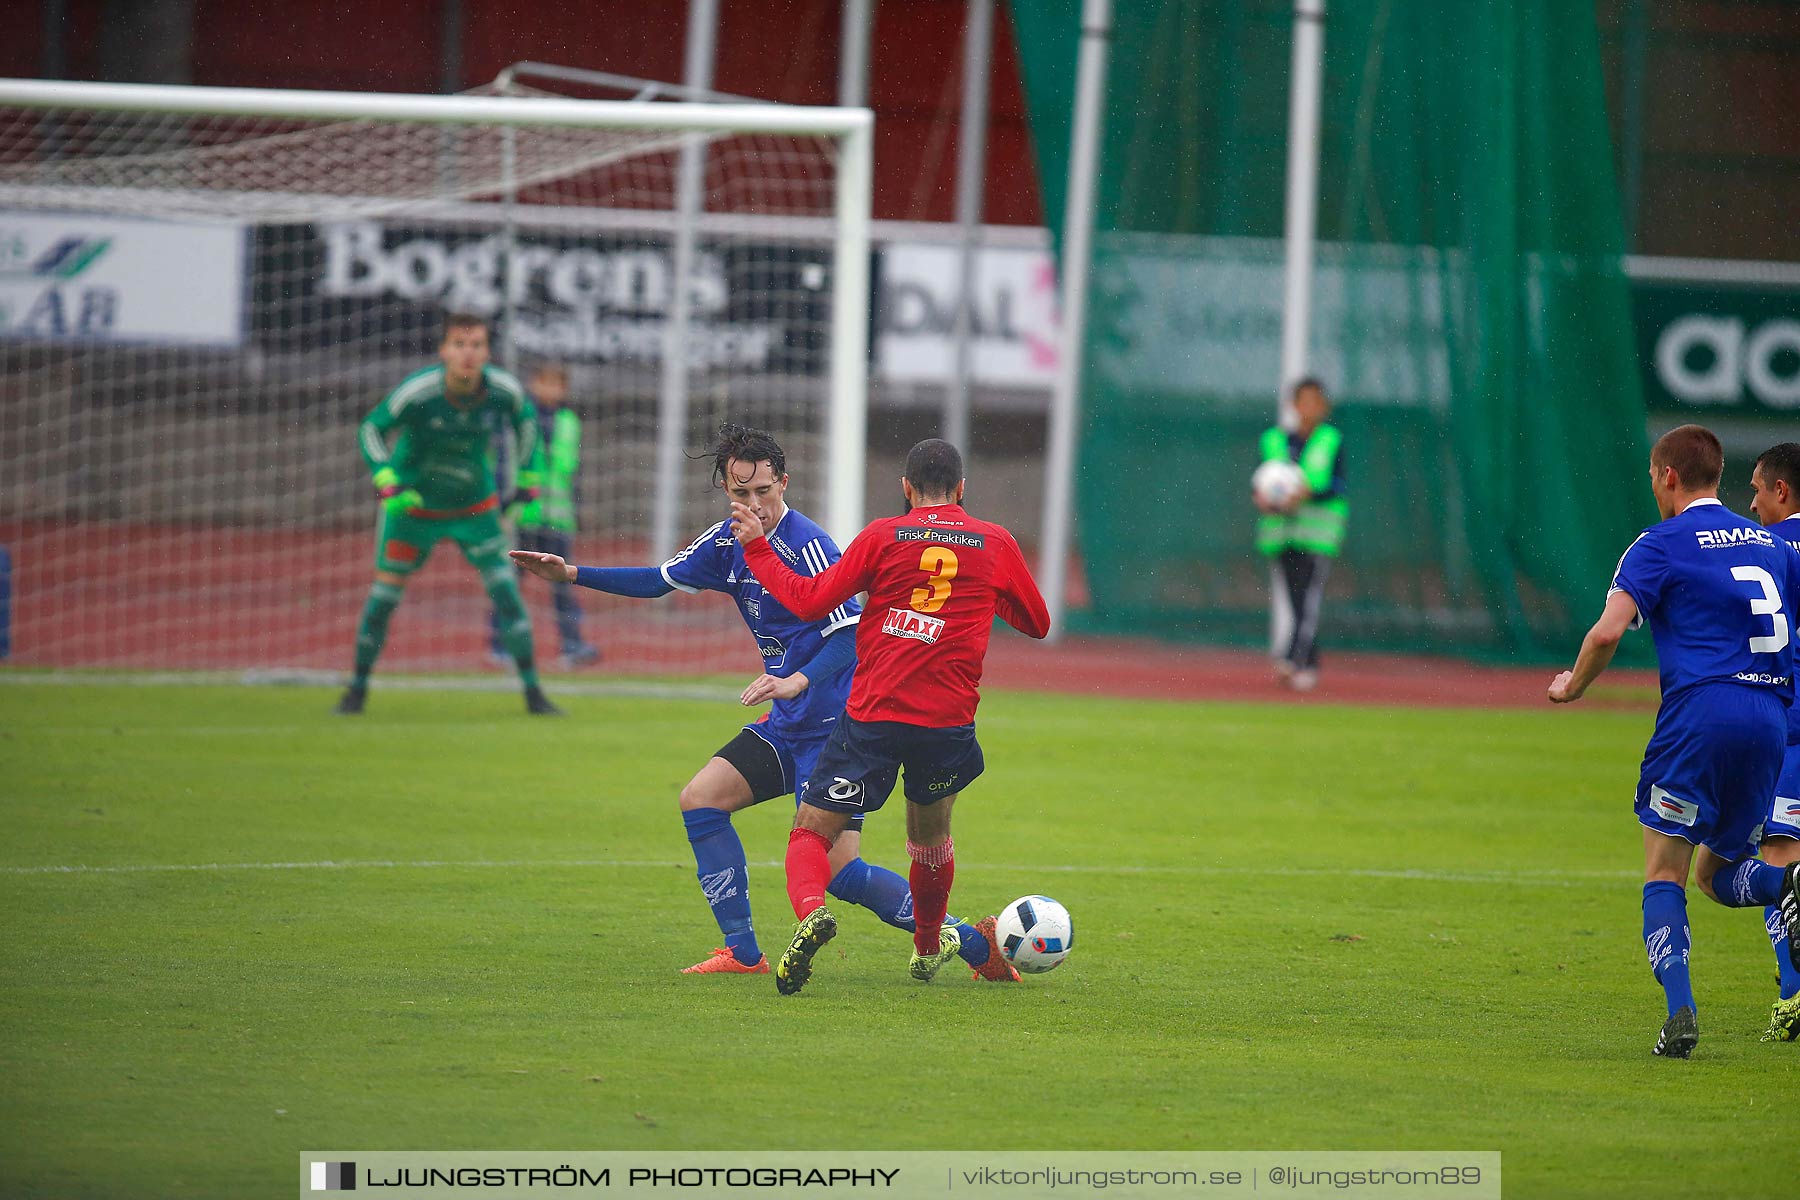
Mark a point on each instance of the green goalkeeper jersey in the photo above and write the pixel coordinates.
(444, 447)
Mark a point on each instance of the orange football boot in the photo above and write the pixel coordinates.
(996, 969)
(724, 962)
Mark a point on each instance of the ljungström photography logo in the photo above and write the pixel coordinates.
(334, 1177)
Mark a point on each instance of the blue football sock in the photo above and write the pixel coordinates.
(889, 897)
(1748, 883)
(974, 948)
(1666, 941)
(1790, 978)
(724, 878)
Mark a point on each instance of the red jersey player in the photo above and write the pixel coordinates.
(936, 579)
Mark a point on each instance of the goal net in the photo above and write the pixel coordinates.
(204, 291)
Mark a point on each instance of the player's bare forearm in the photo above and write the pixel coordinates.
(1596, 655)
(771, 687)
(1597, 650)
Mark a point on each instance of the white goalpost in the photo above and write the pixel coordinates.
(204, 290)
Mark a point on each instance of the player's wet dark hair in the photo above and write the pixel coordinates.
(1781, 462)
(1695, 454)
(934, 468)
(746, 445)
(461, 320)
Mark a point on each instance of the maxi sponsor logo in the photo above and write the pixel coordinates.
(918, 626)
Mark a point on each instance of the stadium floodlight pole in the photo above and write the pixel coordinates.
(1078, 236)
(672, 415)
(509, 242)
(971, 179)
(853, 53)
(847, 418)
(1302, 199)
(847, 423)
(1300, 234)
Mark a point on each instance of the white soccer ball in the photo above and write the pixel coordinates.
(1035, 934)
(1276, 482)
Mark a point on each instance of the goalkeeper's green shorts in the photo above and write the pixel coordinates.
(403, 541)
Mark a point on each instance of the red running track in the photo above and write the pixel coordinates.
(134, 596)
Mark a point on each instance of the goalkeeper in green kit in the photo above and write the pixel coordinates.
(439, 482)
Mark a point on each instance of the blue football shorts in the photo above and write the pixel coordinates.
(1784, 814)
(1711, 762)
(776, 762)
(863, 759)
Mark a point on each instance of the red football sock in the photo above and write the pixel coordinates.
(933, 870)
(808, 870)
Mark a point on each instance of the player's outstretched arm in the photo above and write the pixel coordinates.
(1018, 601)
(1597, 649)
(544, 566)
(643, 583)
(808, 598)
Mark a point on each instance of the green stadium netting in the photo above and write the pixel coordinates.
(1471, 317)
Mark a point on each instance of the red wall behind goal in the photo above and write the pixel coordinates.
(784, 50)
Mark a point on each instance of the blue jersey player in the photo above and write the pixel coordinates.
(807, 667)
(1775, 499)
(1717, 591)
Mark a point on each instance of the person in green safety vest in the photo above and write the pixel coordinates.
(546, 522)
(1301, 537)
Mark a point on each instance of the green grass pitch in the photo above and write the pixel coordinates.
(446, 925)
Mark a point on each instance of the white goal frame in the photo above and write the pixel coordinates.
(852, 128)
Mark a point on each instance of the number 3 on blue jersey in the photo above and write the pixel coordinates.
(1767, 605)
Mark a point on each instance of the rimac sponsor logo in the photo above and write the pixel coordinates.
(717, 886)
(1673, 808)
(1718, 539)
(902, 623)
(334, 1177)
(943, 537)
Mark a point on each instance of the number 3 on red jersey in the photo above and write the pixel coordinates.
(939, 562)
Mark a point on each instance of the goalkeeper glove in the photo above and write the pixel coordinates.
(393, 497)
(525, 490)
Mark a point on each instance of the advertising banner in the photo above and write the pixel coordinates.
(90, 279)
(1711, 348)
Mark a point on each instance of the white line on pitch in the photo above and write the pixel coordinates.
(1524, 878)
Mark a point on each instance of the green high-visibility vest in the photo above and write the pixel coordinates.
(555, 506)
(1318, 525)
